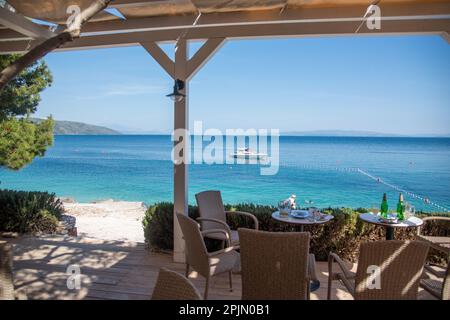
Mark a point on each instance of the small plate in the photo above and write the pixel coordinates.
(299, 214)
(392, 220)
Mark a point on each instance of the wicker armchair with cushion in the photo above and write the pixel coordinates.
(174, 286)
(206, 263)
(439, 243)
(274, 265)
(397, 265)
(214, 216)
(440, 286)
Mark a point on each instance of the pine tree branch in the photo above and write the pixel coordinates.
(69, 34)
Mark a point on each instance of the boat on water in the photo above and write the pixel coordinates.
(246, 153)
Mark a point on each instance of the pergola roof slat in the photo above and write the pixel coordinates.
(19, 23)
(11, 35)
(168, 20)
(54, 11)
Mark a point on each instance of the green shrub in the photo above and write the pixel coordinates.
(158, 225)
(25, 212)
(342, 235)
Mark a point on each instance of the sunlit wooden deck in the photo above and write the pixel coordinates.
(112, 270)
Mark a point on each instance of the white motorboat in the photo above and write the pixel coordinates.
(246, 153)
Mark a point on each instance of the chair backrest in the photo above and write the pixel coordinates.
(196, 252)
(6, 272)
(396, 268)
(274, 265)
(210, 206)
(171, 285)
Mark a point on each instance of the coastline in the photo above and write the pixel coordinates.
(108, 219)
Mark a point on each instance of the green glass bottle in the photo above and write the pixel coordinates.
(400, 208)
(384, 207)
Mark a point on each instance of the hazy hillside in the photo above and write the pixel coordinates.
(339, 133)
(74, 128)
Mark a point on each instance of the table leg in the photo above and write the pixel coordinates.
(314, 282)
(389, 233)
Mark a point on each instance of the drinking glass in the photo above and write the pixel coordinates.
(410, 210)
(284, 208)
(314, 213)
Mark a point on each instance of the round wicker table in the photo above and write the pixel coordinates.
(315, 283)
(301, 222)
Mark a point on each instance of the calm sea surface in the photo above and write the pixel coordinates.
(325, 170)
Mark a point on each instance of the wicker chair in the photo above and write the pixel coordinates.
(6, 272)
(274, 265)
(438, 288)
(441, 244)
(197, 257)
(214, 216)
(173, 286)
(401, 266)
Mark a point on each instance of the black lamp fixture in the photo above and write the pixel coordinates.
(176, 95)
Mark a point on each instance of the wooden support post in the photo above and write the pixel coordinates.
(181, 122)
(182, 69)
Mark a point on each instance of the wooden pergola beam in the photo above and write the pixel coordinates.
(402, 27)
(11, 35)
(446, 36)
(193, 65)
(23, 25)
(288, 16)
(201, 57)
(160, 56)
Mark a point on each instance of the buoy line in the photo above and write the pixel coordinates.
(411, 194)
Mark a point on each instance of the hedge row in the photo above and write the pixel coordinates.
(343, 235)
(29, 212)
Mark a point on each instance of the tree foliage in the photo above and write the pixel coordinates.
(21, 140)
(21, 95)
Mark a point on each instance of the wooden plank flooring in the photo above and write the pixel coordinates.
(113, 270)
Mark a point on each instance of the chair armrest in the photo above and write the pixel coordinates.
(431, 218)
(249, 215)
(333, 257)
(435, 218)
(227, 235)
(224, 224)
(219, 252)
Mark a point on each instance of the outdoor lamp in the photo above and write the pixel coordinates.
(176, 95)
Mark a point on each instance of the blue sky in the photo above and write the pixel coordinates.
(396, 85)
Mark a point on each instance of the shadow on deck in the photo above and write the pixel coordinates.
(113, 270)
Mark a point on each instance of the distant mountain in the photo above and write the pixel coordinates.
(340, 133)
(78, 128)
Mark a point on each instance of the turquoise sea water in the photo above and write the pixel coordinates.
(319, 169)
